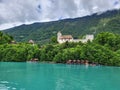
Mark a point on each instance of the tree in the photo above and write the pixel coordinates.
(108, 39)
(53, 40)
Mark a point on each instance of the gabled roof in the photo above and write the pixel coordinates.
(31, 41)
(66, 37)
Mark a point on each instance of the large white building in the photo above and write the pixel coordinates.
(68, 38)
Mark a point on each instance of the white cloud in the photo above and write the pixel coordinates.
(16, 12)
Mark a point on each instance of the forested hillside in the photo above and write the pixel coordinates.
(42, 32)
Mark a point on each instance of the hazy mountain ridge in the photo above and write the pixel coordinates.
(41, 32)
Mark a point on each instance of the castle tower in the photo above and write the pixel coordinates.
(89, 37)
(59, 34)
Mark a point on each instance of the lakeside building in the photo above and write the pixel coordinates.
(68, 38)
(31, 42)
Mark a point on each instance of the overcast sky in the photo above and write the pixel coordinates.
(17, 12)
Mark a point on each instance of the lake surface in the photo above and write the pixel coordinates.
(41, 76)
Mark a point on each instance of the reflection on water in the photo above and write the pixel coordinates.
(41, 76)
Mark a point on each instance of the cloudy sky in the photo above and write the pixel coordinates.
(17, 12)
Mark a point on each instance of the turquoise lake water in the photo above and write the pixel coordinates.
(41, 76)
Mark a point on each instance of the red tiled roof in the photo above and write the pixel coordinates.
(66, 37)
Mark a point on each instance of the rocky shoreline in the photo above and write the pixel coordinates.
(84, 62)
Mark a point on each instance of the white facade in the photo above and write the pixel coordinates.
(64, 38)
(89, 37)
(68, 38)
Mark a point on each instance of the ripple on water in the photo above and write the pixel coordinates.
(3, 87)
(4, 82)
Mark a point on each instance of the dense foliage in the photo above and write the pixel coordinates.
(18, 52)
(42, 32)
(105, 50)
(5, 38)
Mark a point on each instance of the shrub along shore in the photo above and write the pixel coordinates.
(104, 50)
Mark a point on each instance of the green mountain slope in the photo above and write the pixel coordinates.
(42, 32)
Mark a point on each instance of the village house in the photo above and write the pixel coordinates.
(31, 42)
(68, 38)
